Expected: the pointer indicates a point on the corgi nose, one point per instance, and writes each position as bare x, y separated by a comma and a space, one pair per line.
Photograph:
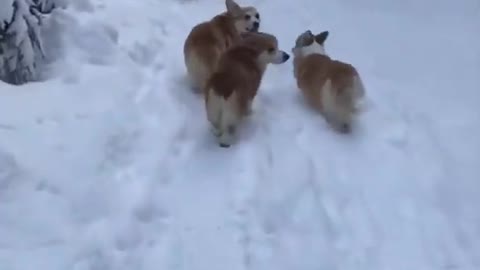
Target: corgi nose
285, 57
256, 25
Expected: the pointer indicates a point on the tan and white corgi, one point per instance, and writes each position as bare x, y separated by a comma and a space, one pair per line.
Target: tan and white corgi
331, 87
208, 40
231, 89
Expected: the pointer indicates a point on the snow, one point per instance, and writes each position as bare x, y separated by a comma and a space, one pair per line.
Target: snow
109, 164
21, 45
6, 12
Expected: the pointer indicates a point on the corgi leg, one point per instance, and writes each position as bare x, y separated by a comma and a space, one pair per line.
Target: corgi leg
213, 105
195, 83
228, 128
226, 137
249, 108
215, 130
228, 122
338, 122
336, 109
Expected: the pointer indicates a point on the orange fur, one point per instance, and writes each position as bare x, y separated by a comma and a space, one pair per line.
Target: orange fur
331, 87
208, 40
233, 86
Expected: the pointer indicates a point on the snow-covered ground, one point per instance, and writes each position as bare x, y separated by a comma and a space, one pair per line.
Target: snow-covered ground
109, 164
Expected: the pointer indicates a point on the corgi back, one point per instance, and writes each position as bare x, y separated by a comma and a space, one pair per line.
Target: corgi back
208, 40
331, 87
233, 86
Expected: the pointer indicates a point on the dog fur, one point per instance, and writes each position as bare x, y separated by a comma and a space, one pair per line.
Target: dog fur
331, 87
208, 40
230, 91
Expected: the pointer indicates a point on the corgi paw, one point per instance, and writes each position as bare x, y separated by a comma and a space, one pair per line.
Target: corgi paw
345, 128
224, 145
215, 131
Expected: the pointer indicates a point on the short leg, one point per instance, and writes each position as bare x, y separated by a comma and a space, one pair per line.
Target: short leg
229, 120
345, 128
196, 89
341, 126
249, 108
192, 84
213, 113
226, 137
215, 130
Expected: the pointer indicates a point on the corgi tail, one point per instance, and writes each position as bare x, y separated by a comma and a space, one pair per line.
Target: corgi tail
359, 94
198, 70
358, 87
338, 106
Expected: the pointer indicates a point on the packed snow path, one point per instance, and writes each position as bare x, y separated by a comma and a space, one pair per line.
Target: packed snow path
110, 164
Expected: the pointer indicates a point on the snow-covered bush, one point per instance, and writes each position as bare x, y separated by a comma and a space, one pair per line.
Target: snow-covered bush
21, 46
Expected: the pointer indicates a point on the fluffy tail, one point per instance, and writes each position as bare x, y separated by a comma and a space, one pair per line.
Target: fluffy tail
339, 106
359, 93
198, 70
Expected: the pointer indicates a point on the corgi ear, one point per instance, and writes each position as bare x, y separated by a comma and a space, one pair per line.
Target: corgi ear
233, 8
309, 32
320, 38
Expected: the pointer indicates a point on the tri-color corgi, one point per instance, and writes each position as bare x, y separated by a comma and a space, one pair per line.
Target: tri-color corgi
231, 89
208, 40
331, 87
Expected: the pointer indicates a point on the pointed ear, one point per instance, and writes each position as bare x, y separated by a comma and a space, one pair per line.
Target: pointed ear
320, 38
232, 7
309, 32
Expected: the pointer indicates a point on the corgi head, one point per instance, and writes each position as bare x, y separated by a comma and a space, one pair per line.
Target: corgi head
307, 43
247, 19
266, 48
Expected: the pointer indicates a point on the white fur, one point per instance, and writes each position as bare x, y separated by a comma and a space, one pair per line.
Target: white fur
229, 120
252, 19
214, 107
328, 99
313, 48
278, 57
334, 108
359, 90
334, 111
266, 58
359, 87
243, 25
223, 115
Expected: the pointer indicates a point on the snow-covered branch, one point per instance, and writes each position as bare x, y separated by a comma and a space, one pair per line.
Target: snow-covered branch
21, 46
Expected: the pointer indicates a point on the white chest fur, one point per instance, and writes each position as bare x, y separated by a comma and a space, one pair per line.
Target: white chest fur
313, 48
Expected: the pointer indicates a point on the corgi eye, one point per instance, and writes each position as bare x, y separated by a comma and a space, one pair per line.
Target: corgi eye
271, 50
257, 16
247, 17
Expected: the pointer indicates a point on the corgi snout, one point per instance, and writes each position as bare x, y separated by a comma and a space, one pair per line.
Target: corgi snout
285, 57
281, 57
256, 26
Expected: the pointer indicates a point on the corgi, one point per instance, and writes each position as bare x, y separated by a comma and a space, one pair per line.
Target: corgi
208, 40
231, 89
331, 87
